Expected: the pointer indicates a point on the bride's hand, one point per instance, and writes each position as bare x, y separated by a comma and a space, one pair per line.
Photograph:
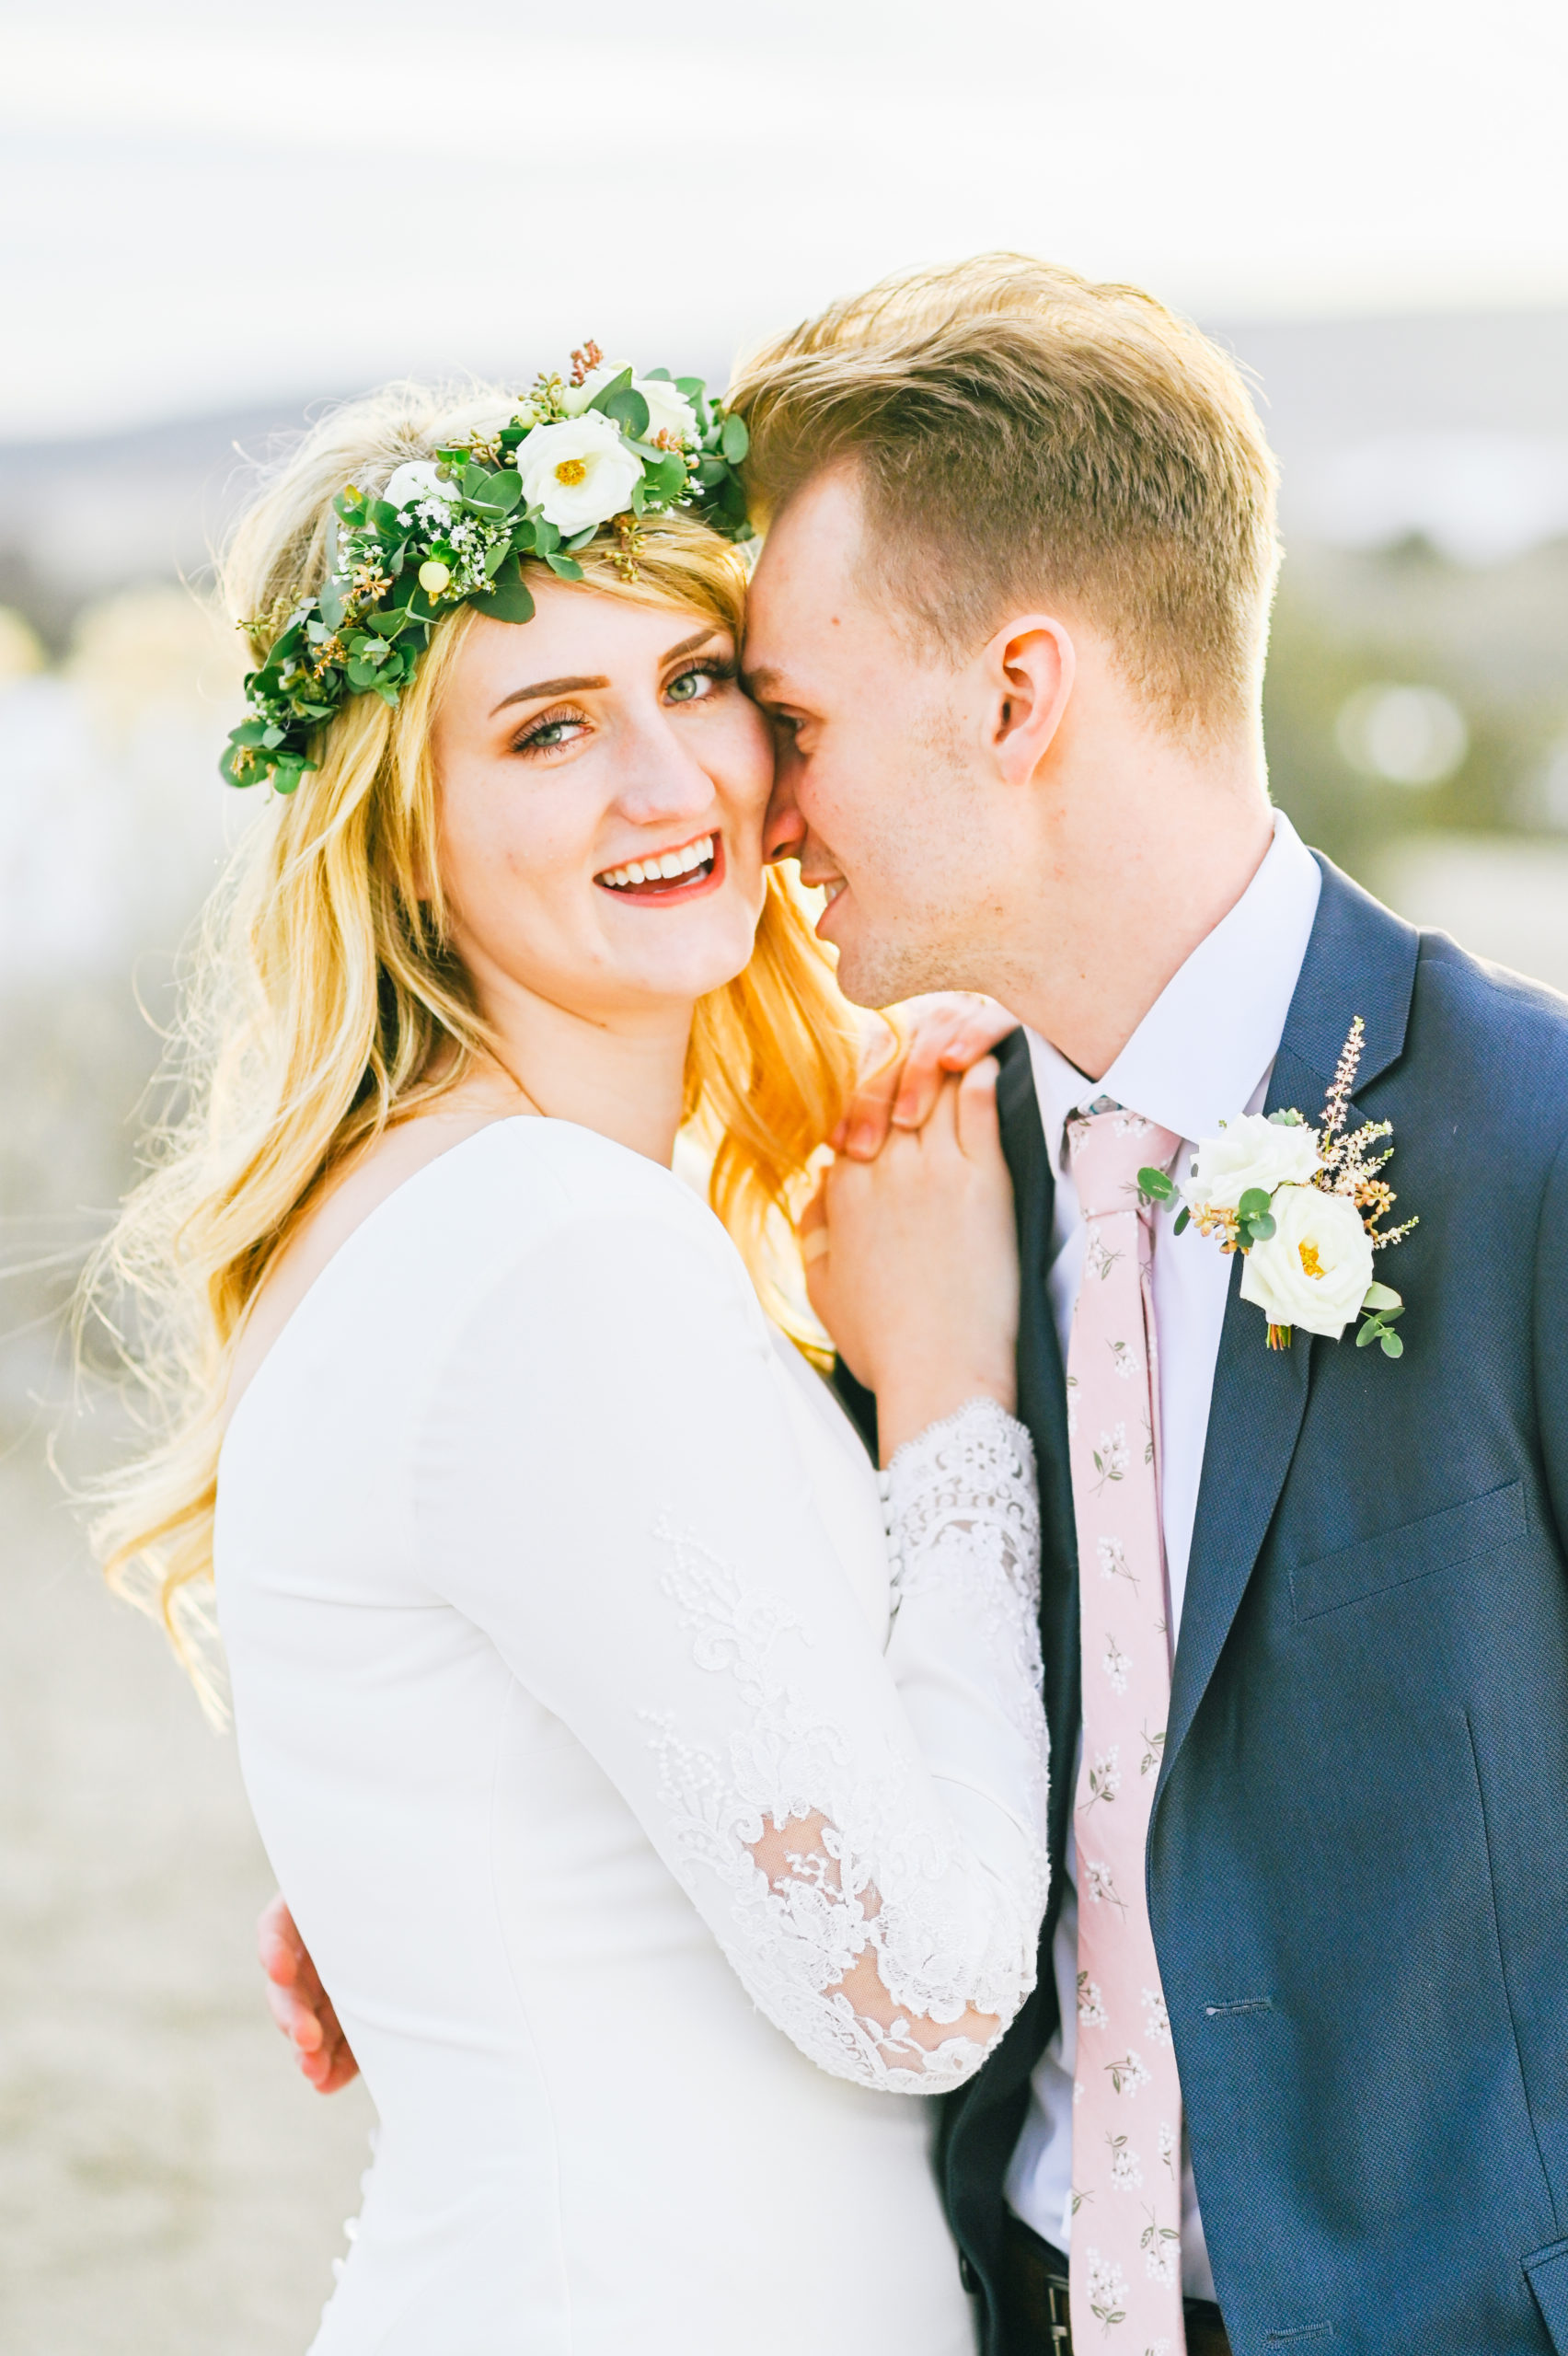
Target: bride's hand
946, 1030
912, 1262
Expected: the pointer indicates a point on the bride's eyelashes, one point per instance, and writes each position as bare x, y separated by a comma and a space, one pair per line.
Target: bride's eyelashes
547, 733
687, 686
554, 731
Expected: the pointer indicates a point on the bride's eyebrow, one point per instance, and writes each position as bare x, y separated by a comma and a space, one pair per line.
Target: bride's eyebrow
546, 688
688, 646
569, 686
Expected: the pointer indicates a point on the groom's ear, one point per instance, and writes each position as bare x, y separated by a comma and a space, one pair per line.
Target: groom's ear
1029, 667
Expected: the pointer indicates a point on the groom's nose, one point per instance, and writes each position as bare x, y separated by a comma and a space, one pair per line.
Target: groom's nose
784, 829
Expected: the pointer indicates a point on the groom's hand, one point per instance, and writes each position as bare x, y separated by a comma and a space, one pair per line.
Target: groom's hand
300, 2005
947, 1031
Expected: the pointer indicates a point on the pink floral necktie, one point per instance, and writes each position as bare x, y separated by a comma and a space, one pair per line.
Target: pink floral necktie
1125, 2270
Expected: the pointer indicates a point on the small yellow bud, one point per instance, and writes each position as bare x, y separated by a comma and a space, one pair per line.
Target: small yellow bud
434, 576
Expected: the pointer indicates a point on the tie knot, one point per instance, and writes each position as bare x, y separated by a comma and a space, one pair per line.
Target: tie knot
1109, 1146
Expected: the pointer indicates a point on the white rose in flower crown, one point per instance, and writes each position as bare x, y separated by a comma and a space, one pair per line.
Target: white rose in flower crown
669, 411
417, 478
580, 472
1250, 1152
1313, 1271
574, 398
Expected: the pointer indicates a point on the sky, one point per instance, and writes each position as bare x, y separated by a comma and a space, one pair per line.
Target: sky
206, 206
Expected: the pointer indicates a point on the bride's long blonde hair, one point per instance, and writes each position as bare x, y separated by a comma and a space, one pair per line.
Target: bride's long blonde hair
323, 1001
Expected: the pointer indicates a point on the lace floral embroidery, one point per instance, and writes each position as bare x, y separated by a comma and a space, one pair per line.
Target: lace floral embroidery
860, 1923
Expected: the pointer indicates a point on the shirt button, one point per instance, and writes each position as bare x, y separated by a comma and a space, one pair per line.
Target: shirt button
966, 2274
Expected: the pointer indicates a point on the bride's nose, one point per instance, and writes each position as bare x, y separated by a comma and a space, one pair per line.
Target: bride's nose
663, 781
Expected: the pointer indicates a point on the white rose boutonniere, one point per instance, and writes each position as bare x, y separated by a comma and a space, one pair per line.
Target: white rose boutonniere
1252, 1151
580, 472
1314, 1269
1303, 1207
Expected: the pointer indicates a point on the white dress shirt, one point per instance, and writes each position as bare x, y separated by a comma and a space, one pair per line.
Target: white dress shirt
1202, 1053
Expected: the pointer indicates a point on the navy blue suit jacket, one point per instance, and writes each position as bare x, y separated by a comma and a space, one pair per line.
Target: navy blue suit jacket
1357, 1860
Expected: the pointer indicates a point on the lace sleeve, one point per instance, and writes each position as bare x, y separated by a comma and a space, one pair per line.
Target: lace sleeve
610, 1489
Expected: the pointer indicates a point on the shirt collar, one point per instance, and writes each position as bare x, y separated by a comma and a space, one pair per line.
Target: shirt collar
1207, 1043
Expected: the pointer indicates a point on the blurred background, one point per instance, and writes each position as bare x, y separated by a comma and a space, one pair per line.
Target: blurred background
212, 220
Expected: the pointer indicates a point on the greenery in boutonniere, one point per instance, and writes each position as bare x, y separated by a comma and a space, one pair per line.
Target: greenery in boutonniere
1304, 1206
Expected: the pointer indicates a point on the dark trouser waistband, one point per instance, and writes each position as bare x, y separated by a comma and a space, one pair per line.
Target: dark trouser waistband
1035, 2322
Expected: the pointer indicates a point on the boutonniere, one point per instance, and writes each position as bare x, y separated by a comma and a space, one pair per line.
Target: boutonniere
1302, 1206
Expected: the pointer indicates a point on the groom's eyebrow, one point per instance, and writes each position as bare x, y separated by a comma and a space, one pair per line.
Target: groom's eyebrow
761, 681
569, 686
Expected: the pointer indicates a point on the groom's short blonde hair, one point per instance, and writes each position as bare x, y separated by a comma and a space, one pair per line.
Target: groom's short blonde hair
1022, 436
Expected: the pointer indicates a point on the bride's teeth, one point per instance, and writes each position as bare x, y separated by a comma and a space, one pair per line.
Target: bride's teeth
662, 870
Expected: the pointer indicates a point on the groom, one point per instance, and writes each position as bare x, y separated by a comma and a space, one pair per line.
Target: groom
1010, 617
1310, 2065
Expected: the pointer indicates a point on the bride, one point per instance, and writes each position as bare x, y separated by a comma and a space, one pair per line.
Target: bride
661, 1796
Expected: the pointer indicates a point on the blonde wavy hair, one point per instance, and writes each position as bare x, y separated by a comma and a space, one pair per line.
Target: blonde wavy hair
323, 1003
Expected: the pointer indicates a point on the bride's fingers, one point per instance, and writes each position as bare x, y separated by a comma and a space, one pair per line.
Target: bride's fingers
951, 1033
979, 1130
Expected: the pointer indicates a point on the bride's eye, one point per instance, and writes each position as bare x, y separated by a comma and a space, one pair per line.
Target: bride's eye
552, 734
701, 680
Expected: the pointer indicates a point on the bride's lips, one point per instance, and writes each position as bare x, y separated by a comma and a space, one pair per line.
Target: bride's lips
643, 883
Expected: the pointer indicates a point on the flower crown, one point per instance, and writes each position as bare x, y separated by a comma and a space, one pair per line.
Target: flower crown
540, 477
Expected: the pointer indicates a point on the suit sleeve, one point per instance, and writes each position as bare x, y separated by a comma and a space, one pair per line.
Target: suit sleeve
1551, 1336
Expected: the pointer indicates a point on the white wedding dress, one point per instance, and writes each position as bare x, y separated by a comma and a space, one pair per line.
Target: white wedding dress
591, 1755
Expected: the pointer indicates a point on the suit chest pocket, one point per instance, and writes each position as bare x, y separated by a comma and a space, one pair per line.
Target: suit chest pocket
1449, 1541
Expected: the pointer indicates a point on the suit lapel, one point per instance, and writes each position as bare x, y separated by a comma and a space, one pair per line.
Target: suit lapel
1360, 959
1043, 1407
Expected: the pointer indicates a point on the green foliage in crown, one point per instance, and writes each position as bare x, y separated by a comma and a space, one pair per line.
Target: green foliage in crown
537, 478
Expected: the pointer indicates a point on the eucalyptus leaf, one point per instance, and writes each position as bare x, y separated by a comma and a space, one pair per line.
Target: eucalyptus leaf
1253, 1203
666, 477
511, 600
1381, 1297
733, 439
1392, 1346
494, 494
620, 383
1184, 1218
628, 410
566, 567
